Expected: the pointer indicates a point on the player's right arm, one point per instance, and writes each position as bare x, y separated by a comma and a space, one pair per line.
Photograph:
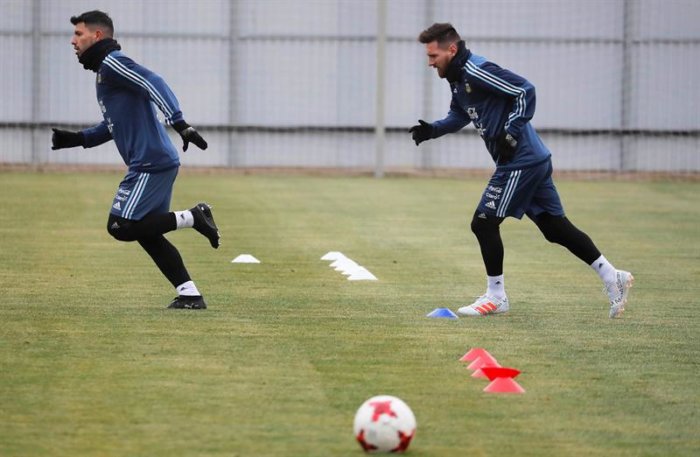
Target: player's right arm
456, 120
88, 138
97, 134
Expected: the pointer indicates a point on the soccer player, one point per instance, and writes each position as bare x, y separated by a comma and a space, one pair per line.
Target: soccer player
500, 104
126, 94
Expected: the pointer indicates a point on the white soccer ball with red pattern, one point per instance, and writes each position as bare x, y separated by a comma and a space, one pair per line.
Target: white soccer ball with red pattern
384, 424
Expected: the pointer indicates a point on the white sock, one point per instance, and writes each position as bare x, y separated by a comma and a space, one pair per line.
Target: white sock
184, 219
604, 269
187, 289
495, 287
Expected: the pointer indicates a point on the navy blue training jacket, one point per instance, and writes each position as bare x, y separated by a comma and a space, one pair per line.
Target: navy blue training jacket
128, 94
493, 99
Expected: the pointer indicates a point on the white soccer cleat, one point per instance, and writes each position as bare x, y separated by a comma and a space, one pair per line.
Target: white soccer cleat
485, 305
618, 291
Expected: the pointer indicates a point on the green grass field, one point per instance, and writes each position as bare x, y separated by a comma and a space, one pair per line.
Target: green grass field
92, 364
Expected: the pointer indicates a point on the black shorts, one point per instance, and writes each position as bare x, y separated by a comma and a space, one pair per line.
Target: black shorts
141, 193
528, 191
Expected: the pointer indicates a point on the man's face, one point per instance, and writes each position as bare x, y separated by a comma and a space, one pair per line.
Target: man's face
84, 37
440, 58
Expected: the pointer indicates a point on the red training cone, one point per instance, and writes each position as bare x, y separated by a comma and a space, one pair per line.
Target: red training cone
473, 354
479, 373
498, 372
485, 360
504, 386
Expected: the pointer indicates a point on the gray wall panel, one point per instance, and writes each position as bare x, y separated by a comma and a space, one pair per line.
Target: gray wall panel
664, 93
518, 19
669, 19
304, 72
16, 16
15, 85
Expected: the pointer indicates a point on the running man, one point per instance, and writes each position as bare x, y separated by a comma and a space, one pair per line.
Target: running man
500, 104
126, 94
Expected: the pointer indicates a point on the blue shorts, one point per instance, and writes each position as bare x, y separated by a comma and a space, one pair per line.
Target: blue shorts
143, 193
528, 191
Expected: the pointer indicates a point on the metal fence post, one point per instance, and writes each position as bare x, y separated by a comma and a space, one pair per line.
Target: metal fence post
380, 128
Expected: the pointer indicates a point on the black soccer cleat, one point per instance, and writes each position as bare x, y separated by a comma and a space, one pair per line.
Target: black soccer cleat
188, 302
204, 223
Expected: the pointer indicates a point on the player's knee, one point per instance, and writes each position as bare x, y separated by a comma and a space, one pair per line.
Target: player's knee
482, 224
553, 228
476, 226
120, 228
552, 236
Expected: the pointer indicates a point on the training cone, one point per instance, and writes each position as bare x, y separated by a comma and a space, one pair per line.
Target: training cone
486, 360
245, 258
332, 255
442, 312
351, 271
344, 265
473, 354
504, 386
362, 274
338, 261
479, 373
499, 372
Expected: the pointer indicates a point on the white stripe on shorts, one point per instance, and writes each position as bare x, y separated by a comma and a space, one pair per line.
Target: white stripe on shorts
135, 195
508, 192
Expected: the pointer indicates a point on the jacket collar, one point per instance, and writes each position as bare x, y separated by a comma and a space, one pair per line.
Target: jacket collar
93, 56
454, 69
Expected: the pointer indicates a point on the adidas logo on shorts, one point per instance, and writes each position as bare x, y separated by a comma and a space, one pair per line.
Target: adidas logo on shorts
491, 204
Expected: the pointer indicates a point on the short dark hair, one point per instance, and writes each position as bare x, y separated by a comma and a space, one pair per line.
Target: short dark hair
442, 32
95, 18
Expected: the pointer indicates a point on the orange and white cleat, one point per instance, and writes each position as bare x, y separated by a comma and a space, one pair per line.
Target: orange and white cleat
484, 306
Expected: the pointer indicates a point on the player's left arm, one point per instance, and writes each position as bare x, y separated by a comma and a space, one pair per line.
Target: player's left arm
137, 77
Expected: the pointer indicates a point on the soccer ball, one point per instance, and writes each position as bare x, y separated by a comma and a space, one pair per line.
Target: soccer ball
384, 424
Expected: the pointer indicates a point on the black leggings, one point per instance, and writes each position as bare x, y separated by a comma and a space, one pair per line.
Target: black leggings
556, 229
560, 230
149, 234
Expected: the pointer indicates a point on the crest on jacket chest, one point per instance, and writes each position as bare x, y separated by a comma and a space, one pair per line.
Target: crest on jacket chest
455, 88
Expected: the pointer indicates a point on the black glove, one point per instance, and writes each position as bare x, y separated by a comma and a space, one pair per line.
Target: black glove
66, 139
505, 147
421, 132
189, 135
